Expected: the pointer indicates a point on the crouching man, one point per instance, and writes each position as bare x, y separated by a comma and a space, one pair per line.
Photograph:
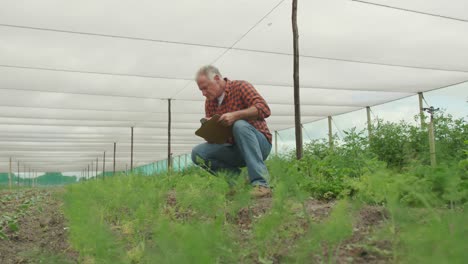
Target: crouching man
242, 107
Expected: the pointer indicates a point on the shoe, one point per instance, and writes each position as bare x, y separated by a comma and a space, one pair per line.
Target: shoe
260, 192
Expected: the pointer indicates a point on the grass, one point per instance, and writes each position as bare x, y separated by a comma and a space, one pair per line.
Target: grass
380, 201
189, 218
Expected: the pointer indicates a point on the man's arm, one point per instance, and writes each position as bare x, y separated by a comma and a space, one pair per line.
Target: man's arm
228, 119
252, 98
258, 108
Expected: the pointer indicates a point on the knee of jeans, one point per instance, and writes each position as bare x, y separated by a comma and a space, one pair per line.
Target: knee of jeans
240, 126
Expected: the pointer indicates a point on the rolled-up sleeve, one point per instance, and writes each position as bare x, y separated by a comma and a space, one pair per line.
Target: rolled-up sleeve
252, 98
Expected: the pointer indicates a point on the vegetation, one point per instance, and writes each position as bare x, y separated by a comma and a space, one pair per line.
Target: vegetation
358, 202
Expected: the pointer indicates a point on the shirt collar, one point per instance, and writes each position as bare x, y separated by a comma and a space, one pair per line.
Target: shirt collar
227, 89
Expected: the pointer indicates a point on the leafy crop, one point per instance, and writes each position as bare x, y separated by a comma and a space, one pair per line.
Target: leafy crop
317, 213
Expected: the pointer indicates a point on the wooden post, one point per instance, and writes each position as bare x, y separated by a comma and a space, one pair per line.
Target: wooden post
178, 162
432, 149
113, 166
131, 152
330, 132
421, 109
17, 176
297, 98
169, 123
9, 175
432, 144
276, 143
104, 165
97, 165
369, 122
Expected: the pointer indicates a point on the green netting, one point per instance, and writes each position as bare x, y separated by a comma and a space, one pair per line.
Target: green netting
47, 179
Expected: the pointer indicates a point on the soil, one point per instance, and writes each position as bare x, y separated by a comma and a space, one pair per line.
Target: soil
353, 250
356, 249
41, 235
42, 229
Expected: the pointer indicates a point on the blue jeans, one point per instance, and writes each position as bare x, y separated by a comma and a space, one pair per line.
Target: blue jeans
251, 148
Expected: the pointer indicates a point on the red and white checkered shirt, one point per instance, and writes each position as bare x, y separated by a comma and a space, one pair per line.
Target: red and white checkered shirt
240, 95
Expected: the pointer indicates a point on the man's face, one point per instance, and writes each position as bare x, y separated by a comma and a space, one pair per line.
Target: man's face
209, 88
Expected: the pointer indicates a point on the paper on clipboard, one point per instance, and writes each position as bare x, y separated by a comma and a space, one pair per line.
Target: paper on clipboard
214, 132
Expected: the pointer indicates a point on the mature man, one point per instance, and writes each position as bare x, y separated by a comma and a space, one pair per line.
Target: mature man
243, 108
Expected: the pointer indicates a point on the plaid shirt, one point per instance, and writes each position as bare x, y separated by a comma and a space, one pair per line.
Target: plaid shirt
240, 95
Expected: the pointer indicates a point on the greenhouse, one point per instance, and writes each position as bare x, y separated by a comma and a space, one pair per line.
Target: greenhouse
99, 104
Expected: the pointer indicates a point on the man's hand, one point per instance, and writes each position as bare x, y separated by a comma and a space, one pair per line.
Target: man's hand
204, 120
228, 119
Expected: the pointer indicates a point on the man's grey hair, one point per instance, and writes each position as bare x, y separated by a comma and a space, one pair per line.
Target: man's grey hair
209, 71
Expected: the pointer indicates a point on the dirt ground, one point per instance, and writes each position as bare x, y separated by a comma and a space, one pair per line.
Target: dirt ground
35, 231
353, 250
357, 249
33, 227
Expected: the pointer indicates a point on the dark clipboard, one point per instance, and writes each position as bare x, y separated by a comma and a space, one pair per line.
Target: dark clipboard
214, 132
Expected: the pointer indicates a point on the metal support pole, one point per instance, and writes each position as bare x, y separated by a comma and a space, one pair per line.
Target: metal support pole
297, 98
131, 153
330, 132
169, 121
421, 108
369, 122
9, 175
113, 166
104, 165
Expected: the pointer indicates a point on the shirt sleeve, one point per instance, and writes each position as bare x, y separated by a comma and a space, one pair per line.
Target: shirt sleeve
251, 96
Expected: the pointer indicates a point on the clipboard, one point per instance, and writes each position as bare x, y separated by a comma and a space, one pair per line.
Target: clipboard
214, 132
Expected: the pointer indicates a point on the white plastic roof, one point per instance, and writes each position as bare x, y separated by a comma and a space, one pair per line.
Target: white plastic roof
76, 75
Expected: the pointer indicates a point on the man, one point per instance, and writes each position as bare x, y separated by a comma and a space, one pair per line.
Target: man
240, 106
